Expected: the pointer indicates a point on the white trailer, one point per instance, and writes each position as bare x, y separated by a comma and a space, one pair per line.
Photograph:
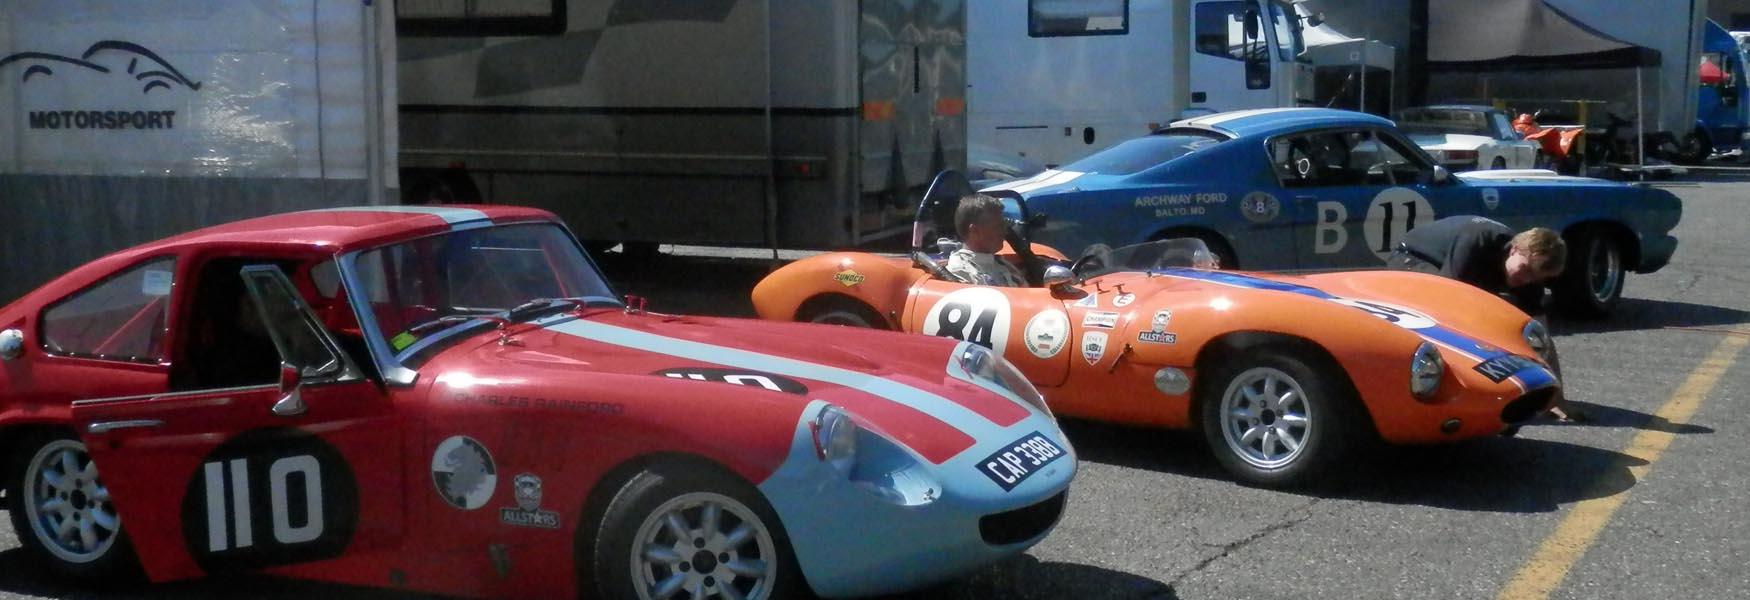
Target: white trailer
123, 121
1055, 80
796, 123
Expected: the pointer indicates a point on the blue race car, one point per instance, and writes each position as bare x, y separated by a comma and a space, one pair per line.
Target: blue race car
1311, 189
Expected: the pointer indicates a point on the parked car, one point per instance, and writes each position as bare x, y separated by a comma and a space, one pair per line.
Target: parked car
1312, 189
1284, 375
1466, 138
451, 399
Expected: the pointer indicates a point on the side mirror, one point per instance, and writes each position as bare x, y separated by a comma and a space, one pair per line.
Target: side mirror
1058, 276
291, 403
11, 344
1251, 25
1441, 175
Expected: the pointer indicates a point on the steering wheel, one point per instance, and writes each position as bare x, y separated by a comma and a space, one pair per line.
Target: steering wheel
1031, 267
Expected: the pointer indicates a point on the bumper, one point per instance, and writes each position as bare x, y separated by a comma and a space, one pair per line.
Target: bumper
1656, 251
911, 524
1469, 406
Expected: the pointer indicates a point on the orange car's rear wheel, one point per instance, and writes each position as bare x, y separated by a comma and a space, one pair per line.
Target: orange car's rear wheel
1273, 420
840, 311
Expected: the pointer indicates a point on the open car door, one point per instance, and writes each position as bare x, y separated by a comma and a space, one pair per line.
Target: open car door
243, 478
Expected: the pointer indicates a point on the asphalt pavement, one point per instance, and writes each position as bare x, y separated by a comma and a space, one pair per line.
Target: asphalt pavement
1646, 499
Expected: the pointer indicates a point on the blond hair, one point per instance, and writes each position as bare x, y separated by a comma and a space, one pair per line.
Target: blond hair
1543, 248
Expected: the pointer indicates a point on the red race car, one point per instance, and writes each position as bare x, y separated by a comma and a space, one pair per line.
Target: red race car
452, 400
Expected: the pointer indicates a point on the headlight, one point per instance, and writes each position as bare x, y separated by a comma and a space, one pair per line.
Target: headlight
983, 365
1426, 369
835, 438
1537, 336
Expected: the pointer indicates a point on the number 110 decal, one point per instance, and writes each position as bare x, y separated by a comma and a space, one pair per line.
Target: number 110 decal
269, 497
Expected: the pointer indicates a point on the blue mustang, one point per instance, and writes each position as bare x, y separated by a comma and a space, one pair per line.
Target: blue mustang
1309, 189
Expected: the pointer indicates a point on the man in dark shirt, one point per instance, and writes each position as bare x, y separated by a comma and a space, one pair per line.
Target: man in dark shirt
1491, 256
1486, 254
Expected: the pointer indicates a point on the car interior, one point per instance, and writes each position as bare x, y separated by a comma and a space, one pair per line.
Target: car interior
227, 345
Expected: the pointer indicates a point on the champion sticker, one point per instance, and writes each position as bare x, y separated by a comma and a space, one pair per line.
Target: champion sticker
463, 472
1093, 346
1102, 320
1047, 333
1088, 301
1123, 300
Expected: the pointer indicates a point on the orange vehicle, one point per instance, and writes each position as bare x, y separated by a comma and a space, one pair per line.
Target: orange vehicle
1561, 143
1283, 374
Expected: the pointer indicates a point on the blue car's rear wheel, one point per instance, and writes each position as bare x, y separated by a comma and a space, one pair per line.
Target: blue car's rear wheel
1592, 280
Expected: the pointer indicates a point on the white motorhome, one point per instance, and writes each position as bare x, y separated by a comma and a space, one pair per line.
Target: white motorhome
798, 123
1055, 80
122, 121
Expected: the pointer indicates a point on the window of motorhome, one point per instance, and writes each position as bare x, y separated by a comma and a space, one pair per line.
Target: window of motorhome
1220, 29
1142, 153
1050, 18
479, 17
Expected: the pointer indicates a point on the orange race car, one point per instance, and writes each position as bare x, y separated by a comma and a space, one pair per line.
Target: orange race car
1283, 374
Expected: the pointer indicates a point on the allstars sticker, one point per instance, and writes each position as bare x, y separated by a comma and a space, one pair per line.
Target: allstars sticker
527, 512
463, 472
1047, 333
1093, 346
1102, 320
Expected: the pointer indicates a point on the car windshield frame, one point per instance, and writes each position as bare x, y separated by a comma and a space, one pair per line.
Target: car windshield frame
1136, 155
399, 366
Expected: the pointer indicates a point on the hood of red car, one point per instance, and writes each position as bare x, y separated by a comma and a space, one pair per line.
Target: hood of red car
899, 385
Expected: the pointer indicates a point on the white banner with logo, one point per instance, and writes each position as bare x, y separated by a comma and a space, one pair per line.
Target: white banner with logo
210, 88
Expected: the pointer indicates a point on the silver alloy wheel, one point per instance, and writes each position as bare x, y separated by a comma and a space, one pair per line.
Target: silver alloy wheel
1603, 270
1266, 418
705, 544
848, 318
68, 508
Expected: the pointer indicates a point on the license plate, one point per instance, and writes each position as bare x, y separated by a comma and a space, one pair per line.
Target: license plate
1018, 461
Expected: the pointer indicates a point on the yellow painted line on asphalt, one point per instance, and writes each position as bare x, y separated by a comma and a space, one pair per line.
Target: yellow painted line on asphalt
1581, 527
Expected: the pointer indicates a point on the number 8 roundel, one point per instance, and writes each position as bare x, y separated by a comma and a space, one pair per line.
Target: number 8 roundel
978, 314
269, 497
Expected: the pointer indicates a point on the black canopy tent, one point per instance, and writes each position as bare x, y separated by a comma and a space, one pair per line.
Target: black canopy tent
1528, 52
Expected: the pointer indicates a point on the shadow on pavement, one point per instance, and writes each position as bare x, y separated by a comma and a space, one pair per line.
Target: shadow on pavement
1638, 313
1517, 475
1025, 577
1599, 415
21, 575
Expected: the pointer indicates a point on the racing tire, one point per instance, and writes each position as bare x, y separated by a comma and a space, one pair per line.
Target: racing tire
1592, 281
1272, 420
1694, 149
841, 311
679, 527
53, 486
1498, 164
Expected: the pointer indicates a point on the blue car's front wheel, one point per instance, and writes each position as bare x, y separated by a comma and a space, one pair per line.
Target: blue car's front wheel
1591, 283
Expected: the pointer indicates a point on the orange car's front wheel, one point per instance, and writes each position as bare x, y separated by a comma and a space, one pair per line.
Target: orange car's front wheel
1273, 420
